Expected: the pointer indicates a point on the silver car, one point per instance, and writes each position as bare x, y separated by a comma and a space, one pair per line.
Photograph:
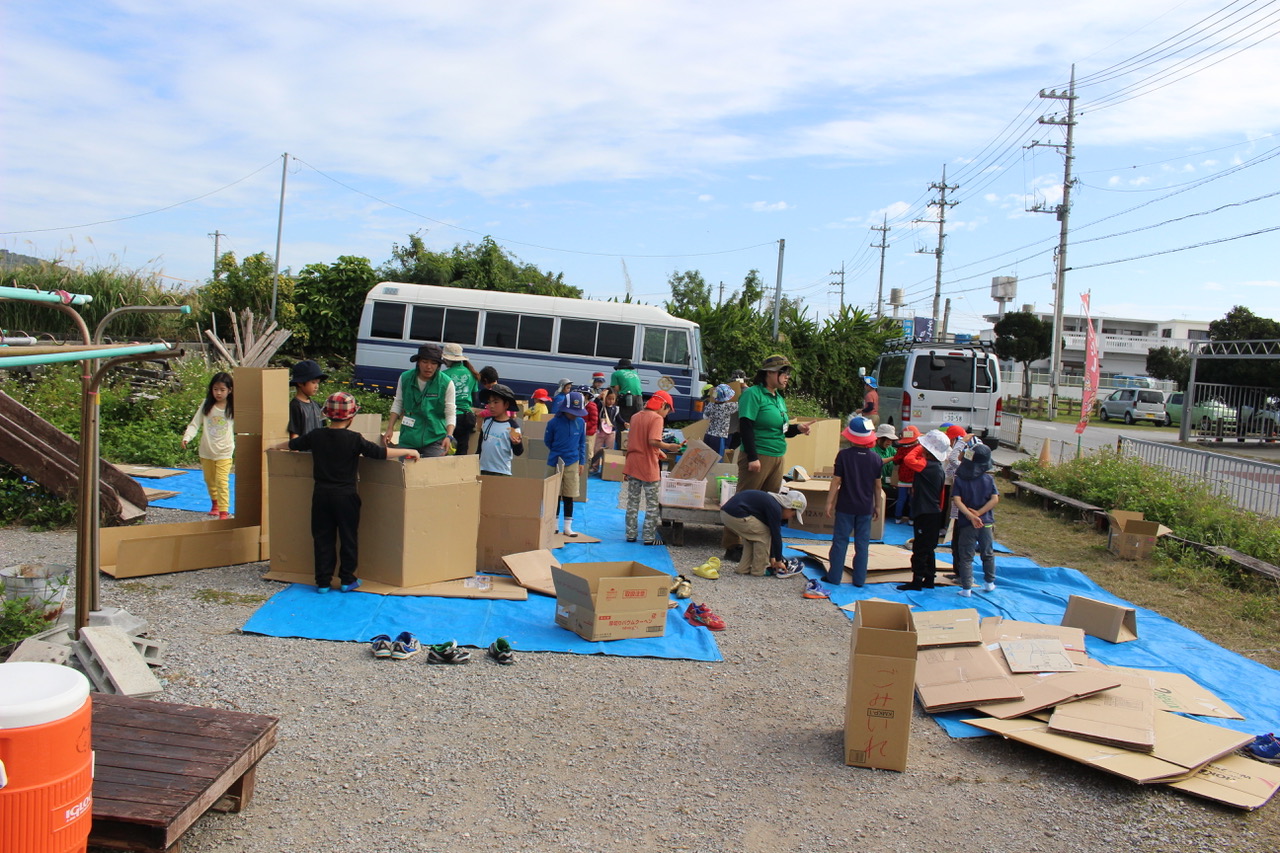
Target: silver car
1133, 405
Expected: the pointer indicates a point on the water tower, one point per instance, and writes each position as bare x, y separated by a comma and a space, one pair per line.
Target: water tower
896, 299
1004, 289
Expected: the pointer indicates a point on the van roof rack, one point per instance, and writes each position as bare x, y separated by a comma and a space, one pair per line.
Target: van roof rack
908, 344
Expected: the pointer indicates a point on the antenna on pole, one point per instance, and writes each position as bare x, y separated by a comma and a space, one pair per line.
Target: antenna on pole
627, 276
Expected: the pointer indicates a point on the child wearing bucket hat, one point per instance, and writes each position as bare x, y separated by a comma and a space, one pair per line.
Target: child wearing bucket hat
500, 438
974, 495
304, 411
851, 500
566, 440
720, 417
926, 509
537, 409
335, 503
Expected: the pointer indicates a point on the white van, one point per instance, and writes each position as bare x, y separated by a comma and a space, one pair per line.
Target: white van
928, 384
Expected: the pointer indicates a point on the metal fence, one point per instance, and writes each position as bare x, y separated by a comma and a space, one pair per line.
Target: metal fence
1250, 485
1010, 430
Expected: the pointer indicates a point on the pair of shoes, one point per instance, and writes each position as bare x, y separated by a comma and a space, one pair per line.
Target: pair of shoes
381, 646
709, 570
733, 555
449, 652
500, 650
813, 589
348, 587
404, 646
967, 592
1264, 748
700, 616
989, 586
791, 566
683, 587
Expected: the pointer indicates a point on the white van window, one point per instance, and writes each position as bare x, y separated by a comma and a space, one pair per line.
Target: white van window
943, 373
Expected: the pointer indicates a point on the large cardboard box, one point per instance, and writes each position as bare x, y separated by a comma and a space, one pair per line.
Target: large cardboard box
611, 467
882, 666
1131, 537
1109, 622
816, 450
517, 514
415, 522
611, 601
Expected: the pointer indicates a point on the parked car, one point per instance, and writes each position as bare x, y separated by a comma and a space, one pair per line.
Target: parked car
1265, 419
1208, 415
1133, 405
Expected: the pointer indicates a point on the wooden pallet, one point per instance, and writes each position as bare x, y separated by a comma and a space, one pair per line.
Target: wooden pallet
159, 766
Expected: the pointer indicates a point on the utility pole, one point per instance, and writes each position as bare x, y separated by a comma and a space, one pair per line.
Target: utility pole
275, 278
942, 204
840, 272
946, 321
216, 235
777, 294
882, 245
720, 299
1062, 211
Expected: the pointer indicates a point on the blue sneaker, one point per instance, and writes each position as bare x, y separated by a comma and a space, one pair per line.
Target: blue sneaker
1265, 748
381, 646
322, 589
405, 646
813, 589
791, 566
347, 587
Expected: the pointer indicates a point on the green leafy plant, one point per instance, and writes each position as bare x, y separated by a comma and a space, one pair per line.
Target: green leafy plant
18, 620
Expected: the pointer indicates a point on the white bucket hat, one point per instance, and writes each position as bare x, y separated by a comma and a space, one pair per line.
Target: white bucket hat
935, 441
793, 500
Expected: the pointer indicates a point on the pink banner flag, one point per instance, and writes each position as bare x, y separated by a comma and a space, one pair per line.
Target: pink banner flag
1092, 364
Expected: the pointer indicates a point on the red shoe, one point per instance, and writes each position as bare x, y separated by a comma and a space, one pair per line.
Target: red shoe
699, 615
225, 515
213, 510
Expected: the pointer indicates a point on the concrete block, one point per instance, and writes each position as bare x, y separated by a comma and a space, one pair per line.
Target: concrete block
82, 659
152, 651
117, 618
123, 666
38, 651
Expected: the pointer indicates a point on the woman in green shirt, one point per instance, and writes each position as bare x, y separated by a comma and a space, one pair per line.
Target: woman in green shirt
764, 425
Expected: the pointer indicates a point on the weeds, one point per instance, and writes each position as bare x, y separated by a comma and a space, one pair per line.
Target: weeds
222, 596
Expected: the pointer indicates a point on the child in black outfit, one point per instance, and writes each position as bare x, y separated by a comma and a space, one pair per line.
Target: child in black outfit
335, 504
304, 412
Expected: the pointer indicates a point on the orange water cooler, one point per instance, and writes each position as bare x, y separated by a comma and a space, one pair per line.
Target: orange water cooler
46, 759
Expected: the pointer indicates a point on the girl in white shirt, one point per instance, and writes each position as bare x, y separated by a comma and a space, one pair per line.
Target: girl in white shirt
214, 420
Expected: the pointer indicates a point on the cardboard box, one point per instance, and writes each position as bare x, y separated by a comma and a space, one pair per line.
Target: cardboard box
689, 494
411, 514
369, 425
1130, 537
1109, 622
947, 628
611, 467
961, 677
262, 401
517, 514
817, 449
878, 703
696, 462
536, 469
611, 601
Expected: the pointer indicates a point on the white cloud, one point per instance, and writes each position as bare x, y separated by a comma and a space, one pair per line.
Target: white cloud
706, 197
769, 206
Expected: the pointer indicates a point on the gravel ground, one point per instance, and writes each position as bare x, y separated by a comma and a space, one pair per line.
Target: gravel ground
573, 752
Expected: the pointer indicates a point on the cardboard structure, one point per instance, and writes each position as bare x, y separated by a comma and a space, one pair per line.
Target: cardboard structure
816, 491
611, 466
416, 521
517, 514
817, 449
611, 601
1131, 537
878, 706
1109, 622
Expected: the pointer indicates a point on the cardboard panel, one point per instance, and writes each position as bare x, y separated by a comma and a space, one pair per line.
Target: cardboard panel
1121, 716
517, 514
532, 570
961, 677
162, 552
1109, 622
1182, 694
947, 628
262, 401
1233, 780
816, 450
882, 663
696, 462
1047, 690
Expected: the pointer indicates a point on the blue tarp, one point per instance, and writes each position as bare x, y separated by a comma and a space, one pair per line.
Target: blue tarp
192, 494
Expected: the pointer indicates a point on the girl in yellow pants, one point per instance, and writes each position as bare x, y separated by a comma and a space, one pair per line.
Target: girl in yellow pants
214, 420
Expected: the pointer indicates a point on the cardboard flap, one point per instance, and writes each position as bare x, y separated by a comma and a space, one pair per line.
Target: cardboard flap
947, 627
532, 570
1233, 780
1046, 690
961, 677
1109, 622
1123, 715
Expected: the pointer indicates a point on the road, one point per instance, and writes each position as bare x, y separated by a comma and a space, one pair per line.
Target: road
1095, 435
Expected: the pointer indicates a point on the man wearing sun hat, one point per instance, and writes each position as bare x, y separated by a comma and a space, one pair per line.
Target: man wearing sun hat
626, 384
466, 382
851, 500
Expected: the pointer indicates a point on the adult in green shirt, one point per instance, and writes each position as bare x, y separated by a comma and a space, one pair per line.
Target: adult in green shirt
626, 383
466, 382
424, 406
764, 424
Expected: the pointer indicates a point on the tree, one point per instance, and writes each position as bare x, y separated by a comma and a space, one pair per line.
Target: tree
329, 301
1241, 324
1023, 337
689, 290
1170, 363
249, 284
482, 266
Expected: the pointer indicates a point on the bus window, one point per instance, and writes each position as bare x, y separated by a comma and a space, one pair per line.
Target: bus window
614, 340
577, 337
388, 320
460, 326
669, 346
535, 333
677, 347
427, 323
501, 330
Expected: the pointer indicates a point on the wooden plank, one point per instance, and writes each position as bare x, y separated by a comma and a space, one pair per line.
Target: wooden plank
1245, 561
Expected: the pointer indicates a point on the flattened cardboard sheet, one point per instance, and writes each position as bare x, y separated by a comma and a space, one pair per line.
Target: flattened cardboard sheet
1049, 689
1122, 716
146, 472
696, 462
961, 677
1045, 655
947, 628
532, 570
1182, 694
1233, 780
480, 586
559, 540
881, 558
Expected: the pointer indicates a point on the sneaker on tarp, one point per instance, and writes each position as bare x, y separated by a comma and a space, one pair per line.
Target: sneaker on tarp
500, 650
700, 615
381, 646
322, 588
1265, 748
348, 587
405, 646
813, 589
791, 566
449, 652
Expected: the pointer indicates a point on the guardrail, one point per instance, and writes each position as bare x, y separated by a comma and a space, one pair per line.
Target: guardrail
1249, 484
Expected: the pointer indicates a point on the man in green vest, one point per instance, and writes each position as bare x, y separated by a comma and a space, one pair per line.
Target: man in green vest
466, 381
626, 383
424, 406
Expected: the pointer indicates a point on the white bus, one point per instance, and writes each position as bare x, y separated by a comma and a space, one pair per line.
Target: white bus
532, 341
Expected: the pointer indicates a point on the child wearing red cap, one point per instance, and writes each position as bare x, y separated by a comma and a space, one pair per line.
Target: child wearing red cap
641, 468
335, 503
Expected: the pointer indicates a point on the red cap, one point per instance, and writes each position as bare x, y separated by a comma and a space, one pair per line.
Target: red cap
541, 395
659, 399
956, 431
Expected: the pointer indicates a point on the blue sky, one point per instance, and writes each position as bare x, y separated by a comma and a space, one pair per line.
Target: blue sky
674, 135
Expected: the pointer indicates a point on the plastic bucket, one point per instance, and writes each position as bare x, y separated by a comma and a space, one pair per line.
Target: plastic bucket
45, 585
46, 759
